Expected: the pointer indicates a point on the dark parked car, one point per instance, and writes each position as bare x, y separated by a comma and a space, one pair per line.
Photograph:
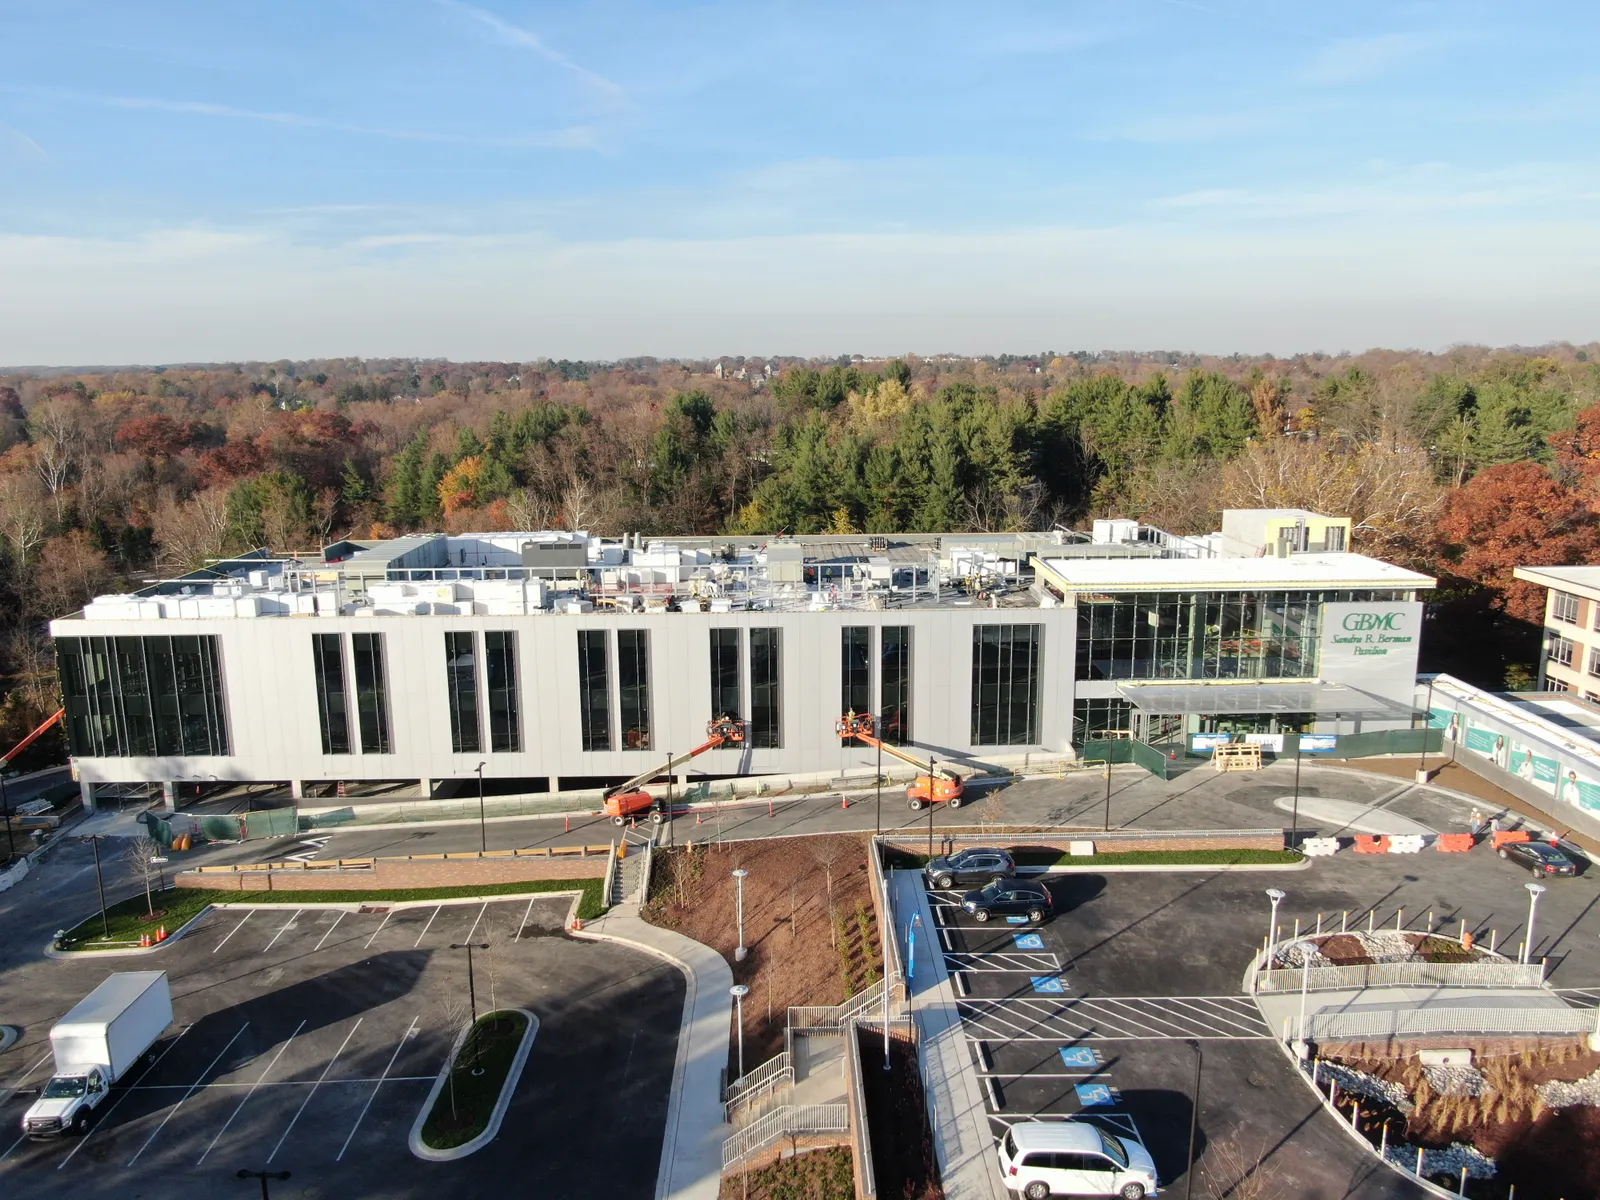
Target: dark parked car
1539, 857
975, 865
1005, 897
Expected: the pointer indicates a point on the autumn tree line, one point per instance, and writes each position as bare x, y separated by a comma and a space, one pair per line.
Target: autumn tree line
1463, 464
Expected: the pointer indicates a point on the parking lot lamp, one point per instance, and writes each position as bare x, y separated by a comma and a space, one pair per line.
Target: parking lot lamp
1294, 818
1535, 890
931, 789
877, 810
886, 931
1276, 895
1108, 785
483, 832
5, 804
472, 997
1427, 724
738, 991
105, 926
1194, 1119
741, 950
280, 1176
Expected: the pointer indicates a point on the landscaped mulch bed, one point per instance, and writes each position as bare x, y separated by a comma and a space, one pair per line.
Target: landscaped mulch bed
903, 1162
799, 952
813, 1175
462, 1109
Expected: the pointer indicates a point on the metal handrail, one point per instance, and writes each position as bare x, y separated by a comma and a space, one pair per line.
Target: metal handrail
751, 1096
836, 1016
782, 1122
758, 1076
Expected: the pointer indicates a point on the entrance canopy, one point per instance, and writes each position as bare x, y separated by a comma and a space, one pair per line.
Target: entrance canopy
1218, 699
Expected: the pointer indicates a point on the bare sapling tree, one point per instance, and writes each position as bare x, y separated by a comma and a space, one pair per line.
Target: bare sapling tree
455, 1013
827, 850
1233, 1172
142, 854
992, 812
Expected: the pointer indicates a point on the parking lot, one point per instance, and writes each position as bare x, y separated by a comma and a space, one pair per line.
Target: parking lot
1108, 1006
306, 1040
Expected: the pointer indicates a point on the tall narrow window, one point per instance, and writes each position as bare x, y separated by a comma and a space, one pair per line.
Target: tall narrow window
633, 687
766, 688
855, 670
461, 664
500, 670
141, 696
372, 694
1005, 685
594, 689
726, 700
894, 715
332, 710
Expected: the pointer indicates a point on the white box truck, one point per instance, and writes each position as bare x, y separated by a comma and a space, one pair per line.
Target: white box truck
94, 1045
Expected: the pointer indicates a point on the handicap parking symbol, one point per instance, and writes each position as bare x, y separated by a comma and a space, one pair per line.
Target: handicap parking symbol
1079, 1056
1047, 984
1095, 1095
1028, 941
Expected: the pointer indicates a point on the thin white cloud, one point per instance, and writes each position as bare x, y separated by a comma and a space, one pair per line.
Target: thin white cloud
15, 137
576, 137
515, 35
1351, 60
1181, 127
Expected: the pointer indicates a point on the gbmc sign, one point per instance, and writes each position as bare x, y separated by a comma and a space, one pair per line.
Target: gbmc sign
1371, 622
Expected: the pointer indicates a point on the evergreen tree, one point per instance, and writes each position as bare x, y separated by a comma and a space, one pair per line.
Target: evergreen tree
404, 493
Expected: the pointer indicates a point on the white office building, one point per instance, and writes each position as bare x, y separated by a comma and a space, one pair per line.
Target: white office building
556, 659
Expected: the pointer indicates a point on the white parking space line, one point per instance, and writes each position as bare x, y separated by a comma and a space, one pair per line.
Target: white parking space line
425, 929
314, 1087
331, 928
379, 929
232, 931
246, 1099
997, 963
474, 928
173, 1111
526, 913
363, 1113
287, 925
1112, 1018
105, 1116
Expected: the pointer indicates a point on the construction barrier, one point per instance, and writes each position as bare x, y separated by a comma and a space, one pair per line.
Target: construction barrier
1454, 843
1367, 843
1410, 843
1319, 846
1511, 835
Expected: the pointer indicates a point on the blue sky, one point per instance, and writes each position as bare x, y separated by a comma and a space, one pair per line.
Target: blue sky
216, 179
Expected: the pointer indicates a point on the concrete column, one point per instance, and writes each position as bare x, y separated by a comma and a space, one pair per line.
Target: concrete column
169, 796
425, 787
297, 789
86, 794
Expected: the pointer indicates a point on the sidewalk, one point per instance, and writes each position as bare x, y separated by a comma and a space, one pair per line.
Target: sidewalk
691, 1150
956, 1111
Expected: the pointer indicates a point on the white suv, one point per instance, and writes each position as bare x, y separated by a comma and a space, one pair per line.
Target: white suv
1074, 1158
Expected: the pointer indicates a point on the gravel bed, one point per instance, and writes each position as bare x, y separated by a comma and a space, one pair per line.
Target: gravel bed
1562, 1093
1443, 1162
1359, 1083
1456, 1081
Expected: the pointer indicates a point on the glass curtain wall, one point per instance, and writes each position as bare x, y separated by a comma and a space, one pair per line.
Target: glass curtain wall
1096, 718
140, 696
594, 689
1205, 635
894, 712
633, 687
500, 672
333, 710
461, 666
726, 700
1005, 685
372, 696
766, 688
855, 671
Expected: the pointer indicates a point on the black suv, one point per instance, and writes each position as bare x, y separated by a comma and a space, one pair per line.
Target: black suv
1007, 896
978, 864
1541, 858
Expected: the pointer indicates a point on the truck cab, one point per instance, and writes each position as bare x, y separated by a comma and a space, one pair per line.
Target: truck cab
65, 1104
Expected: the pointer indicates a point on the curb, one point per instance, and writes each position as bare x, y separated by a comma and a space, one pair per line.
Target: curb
1303, 865
8, 1037
507, 1088
128, 952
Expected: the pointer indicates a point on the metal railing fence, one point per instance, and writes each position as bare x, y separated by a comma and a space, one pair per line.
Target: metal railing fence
784, 1122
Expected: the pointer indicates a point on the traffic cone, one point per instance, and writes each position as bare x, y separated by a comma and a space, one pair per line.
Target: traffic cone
144, 940
577, 924
699, 817
161, 934
844, 801
568, 828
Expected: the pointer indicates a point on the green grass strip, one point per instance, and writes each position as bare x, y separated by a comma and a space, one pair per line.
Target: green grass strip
129, 919
466, 1102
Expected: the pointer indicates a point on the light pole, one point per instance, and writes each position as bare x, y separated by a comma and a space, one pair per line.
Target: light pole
1108, 786
877, 811
1535, 890
741, 950
280, 1176
1294, 819
886, 931
5, 803
931, 789
483, 829
472, 997
1276, 895
99, 881
738, 991
1194, 1119
1422, 751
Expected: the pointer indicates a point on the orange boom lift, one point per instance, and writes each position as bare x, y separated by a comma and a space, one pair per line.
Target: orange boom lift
937, 785
628, 799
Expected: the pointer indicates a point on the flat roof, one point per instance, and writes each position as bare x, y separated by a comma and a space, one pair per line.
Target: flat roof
1211, 697
1572, 715
1582, 578
1223, 574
